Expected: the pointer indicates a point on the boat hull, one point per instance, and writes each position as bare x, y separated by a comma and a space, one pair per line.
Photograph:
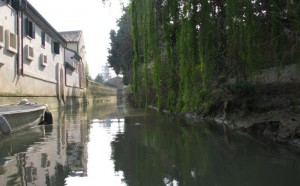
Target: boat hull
21, 117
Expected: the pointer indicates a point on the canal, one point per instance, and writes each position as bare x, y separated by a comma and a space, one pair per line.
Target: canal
110, 145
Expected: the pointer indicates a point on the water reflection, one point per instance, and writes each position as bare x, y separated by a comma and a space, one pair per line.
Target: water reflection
109, 145
50, 155
166, 152
100, 166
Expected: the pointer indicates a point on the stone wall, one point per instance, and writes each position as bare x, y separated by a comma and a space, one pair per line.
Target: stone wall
94, 94
99, 90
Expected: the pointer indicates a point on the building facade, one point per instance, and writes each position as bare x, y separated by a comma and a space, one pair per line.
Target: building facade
36, 60
75, 65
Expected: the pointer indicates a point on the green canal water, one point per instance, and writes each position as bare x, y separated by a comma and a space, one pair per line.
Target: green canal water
110, 145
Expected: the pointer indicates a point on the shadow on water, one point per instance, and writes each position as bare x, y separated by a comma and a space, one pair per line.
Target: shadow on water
111, 145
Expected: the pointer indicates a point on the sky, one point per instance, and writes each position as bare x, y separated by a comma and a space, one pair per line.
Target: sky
92, 17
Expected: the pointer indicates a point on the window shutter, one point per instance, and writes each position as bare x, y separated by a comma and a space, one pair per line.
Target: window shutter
43, 39
26, 26
52, 46
16, 4
33, 30
29, 28
56, 48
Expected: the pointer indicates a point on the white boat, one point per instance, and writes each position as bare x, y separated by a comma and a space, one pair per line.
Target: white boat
17, 117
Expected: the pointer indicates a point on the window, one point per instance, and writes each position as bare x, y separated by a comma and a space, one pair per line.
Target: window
43, 39
29, 28
15, 4
9, 2
1, 36
55, 47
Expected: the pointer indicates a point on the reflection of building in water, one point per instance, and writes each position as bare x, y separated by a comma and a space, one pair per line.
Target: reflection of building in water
59, 152
77, 148
63, 152
32, 168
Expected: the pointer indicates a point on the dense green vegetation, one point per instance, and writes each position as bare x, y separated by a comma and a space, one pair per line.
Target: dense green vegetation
184, 51
121, 51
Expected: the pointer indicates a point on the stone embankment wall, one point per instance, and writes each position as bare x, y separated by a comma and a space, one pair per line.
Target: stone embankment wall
269, 108
93, 94
97, 92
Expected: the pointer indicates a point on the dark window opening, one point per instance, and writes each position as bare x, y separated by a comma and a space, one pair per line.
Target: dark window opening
55, 47
43, 39
29, 28
15, 4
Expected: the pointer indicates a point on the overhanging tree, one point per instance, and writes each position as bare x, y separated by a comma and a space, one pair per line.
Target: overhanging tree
121, 51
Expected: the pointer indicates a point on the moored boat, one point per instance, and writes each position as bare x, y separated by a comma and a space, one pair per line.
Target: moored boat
16, 117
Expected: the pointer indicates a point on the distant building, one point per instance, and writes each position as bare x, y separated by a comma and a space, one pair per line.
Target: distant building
116, 82
75, 48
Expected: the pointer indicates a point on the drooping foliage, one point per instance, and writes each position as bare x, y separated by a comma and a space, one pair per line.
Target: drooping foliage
183, 48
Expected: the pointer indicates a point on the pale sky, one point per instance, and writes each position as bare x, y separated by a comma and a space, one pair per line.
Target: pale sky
92, 17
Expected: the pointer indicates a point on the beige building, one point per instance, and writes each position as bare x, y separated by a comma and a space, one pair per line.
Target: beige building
36, 60
75, 48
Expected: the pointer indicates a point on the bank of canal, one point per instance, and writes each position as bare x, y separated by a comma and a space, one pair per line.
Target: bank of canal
110, 145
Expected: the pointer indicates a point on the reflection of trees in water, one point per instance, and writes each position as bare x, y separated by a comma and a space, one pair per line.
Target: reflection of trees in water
161, 152
156, 154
